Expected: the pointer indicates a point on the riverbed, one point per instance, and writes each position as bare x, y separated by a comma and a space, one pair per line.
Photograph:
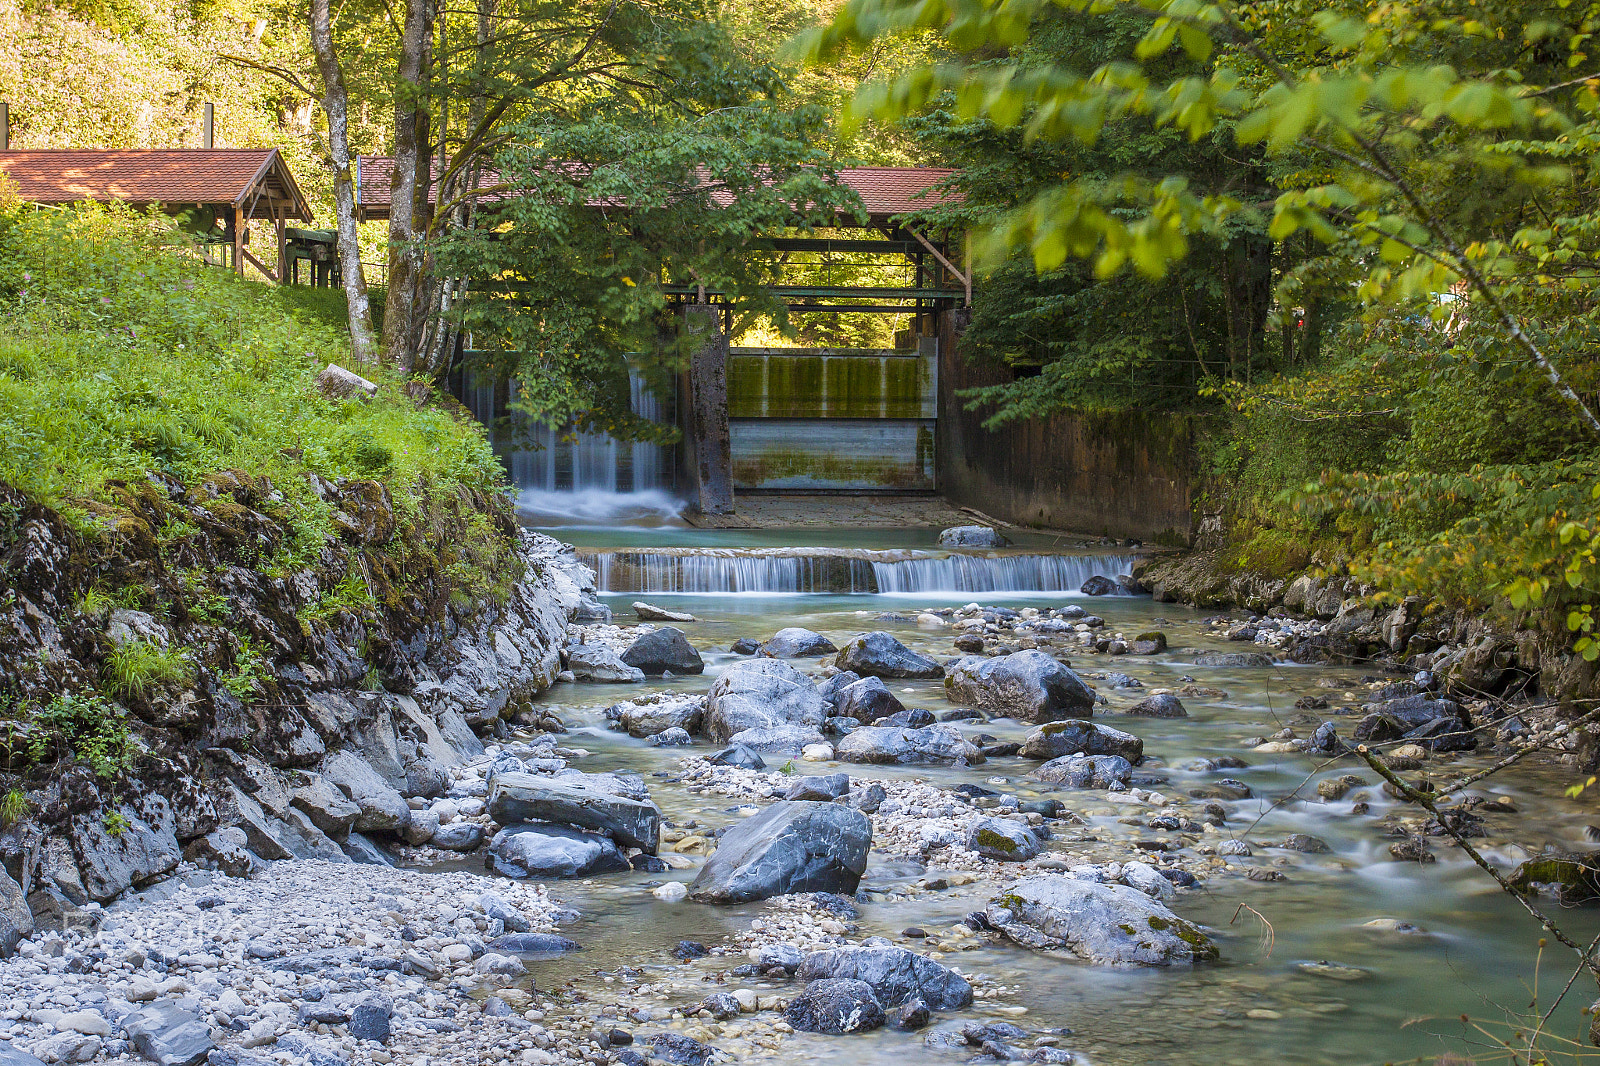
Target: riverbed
1476, 952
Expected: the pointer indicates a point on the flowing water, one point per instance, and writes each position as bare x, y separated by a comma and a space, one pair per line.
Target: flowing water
1479, 955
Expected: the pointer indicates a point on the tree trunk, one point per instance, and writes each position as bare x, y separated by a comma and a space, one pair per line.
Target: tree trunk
336, 103
405, 311
711, 455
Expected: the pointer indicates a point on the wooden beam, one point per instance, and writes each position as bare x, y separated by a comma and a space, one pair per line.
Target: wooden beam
258, 264
238, 241
959, 276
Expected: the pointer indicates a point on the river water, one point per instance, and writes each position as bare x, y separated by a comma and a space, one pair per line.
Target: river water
1479, 954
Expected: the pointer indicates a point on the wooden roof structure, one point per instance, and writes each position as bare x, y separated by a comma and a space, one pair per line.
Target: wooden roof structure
254, 181
886, 192
233, 185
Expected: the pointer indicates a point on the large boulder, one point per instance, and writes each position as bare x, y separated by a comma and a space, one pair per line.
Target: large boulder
1165, 705
16, 919
797, 643
895, 975
1002, 840
1099, 585
553, 851
769, 701
1086, 771
1573, 876
598, 663
866, 700
1074, 737
667, 649
971, 537
878, 654
383, 809
835, 1005
935, 745
1108, 924
168, 1035
125, 847
796, 846
1026, 685
649, 715
521, 797
1434, 723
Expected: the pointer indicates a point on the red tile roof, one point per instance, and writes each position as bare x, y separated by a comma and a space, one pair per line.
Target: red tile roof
885, 191
250, 178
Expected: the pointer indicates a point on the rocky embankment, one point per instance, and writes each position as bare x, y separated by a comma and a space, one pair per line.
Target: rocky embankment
1472, 655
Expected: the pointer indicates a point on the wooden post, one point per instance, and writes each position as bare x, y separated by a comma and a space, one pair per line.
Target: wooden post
283, 251
710, 446
208, 134
5, 126
238, 241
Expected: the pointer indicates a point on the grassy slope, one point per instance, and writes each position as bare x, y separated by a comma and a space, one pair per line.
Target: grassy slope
119, 355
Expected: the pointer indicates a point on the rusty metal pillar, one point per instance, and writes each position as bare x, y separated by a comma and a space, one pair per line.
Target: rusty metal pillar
710, 446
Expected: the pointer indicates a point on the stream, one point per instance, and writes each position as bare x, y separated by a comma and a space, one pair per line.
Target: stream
1478, 954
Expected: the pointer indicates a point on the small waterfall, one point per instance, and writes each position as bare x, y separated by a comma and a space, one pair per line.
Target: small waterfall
843, 571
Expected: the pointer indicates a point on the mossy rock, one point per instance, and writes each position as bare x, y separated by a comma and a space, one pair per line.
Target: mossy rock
1575, 876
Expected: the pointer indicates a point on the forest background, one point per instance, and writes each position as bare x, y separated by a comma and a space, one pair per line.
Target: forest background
1355, 242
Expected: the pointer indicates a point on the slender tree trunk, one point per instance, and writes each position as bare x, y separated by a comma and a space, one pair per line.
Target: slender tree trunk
336, 103
405, 310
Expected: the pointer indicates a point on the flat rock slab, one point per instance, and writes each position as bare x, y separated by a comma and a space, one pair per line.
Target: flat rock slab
168, 1035
792, 846
554, 851
649, 612
521, 797
1107, 924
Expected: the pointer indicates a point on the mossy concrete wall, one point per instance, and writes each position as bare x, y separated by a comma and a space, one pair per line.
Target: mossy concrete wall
1128, 474
804, 420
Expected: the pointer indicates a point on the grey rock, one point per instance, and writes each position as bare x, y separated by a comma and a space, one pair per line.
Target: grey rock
1234, 659
971, 537
939, 745
139, 851
228, 850
360, 849
1053, 740
879, 654
1165, 705
649, 612
789, 847
521, 797
894, 974
382, 807
721, 1006
548, 945
821, 787
671, 738
497, 908
1086, 771
1107, 924
16, 918
1099, 585
665, 649
1306, 844
796, 643
739, 756
458, 836
329, 809
835, 1005
1003, 840
1027, 685
370, 1020
314, 1052
677, 1050
553, 851
11, 1055
910, 1016
649, 715
766, 698
168, 1035
421, 828
866, 700
598, 663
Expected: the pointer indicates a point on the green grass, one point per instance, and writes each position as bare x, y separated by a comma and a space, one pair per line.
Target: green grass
119, 355
139, 669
